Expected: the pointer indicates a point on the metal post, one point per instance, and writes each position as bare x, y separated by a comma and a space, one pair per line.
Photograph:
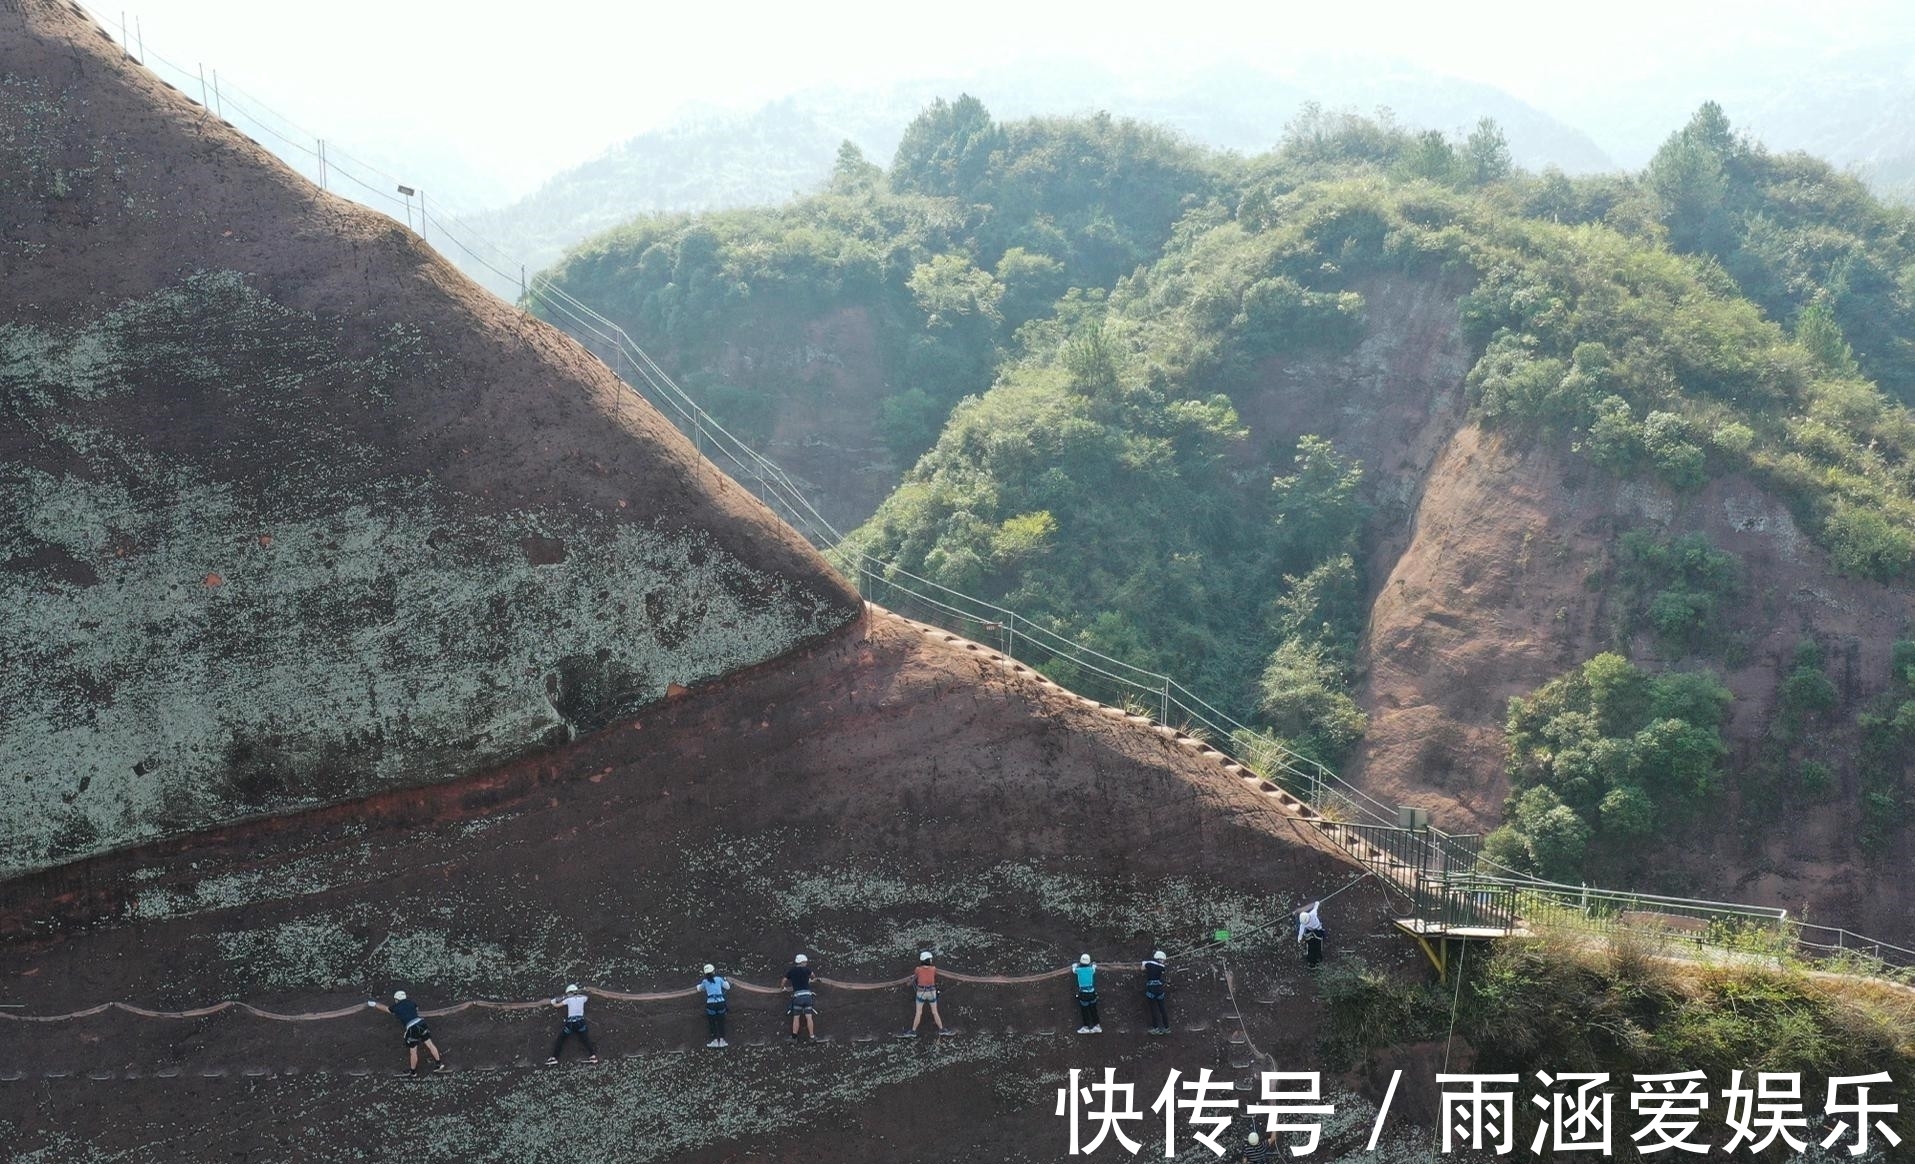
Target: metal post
218, 110
140, 34
422, 217
1163, 715
322, 163
204, 101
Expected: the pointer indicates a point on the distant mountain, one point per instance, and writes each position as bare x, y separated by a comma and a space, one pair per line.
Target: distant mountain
1894, 180
714, 159
1853, 107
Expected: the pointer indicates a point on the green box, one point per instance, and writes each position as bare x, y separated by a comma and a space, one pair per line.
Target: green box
1223, 935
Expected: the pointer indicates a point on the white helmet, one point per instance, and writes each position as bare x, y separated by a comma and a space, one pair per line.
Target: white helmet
1083, 959
924, 955
801, 959
1158, 956
710, 969
1253, 1138
398, 996
572, 988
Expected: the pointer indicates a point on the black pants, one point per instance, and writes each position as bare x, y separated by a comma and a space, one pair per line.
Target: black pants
573, 1027
1159, 1013
715, 1022
1313, 947
1087, 1005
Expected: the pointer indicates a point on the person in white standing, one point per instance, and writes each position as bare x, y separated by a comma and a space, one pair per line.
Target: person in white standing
1310, 933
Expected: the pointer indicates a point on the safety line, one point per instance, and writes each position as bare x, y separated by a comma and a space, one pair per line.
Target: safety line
530, 1004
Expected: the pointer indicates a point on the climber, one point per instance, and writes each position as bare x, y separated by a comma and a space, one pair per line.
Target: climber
1310, 933
416, 1031
924, 982
573, 1000
803, 1001
1086, 974
714, 988
1154, 992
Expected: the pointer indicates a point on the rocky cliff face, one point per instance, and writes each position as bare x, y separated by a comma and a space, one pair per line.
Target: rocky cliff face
1493, 570
826, 378
289, 510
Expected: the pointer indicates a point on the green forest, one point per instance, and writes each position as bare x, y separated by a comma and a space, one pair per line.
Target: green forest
1066, 309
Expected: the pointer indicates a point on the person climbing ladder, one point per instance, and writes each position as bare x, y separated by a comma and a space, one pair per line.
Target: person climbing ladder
573, 1000
714, 988
1086, 974
1154, 993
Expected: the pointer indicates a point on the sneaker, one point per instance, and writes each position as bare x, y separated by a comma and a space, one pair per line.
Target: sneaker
724, 1042
441, 1065
552, 1062
947, 1031
1097, 1030
591, 1058
715, 1043
907, 1034
1083, 1030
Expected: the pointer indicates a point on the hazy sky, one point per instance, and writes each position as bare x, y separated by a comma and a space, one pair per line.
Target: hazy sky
520, 90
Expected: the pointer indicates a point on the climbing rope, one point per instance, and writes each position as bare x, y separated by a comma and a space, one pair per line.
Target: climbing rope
532, 1004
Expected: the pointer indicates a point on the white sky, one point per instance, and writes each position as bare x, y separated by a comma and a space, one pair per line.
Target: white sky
523, 89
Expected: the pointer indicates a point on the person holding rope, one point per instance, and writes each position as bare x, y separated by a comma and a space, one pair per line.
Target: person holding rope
1085, 973
417, 1033
1154, 993
924, 982
803, 1001
573, 1000
1310, 933
714, 987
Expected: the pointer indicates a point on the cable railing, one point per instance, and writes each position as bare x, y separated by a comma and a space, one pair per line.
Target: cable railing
1451, 882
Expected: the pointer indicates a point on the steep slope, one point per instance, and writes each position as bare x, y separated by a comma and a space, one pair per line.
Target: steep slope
305, 531
885, 792
290, 511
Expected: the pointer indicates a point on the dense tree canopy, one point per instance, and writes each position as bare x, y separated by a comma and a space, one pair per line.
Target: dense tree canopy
1068, 309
